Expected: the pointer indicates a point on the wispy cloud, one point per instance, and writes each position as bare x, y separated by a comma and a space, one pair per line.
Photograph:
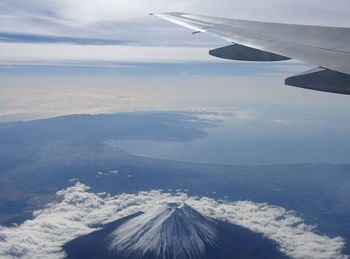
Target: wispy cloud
108, 22
79, 210
21, 37
92, 17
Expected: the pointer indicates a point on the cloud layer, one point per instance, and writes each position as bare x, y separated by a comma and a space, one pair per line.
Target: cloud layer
79, 210
117, 22
67, 16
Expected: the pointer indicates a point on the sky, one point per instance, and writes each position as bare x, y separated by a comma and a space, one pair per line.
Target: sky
64, 57
127, 27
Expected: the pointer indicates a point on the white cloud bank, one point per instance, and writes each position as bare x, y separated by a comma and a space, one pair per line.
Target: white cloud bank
79, 210
65, 54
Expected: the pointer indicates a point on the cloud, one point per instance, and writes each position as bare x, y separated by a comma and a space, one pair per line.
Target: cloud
118, 22
128, 20
100, 173
79, 210
83, 55
43, 102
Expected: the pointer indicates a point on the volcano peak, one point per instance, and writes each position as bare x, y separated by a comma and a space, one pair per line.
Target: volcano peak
173, 230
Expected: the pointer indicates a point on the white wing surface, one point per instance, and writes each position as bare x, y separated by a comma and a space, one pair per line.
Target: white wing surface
326, 47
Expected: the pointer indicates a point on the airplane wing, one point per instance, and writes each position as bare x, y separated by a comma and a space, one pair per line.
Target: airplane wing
326, 47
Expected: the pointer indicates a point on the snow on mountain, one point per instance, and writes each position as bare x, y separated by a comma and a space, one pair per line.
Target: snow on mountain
175, 230
171, 231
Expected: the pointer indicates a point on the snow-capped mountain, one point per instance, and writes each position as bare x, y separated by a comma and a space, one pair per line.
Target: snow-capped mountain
171, 231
